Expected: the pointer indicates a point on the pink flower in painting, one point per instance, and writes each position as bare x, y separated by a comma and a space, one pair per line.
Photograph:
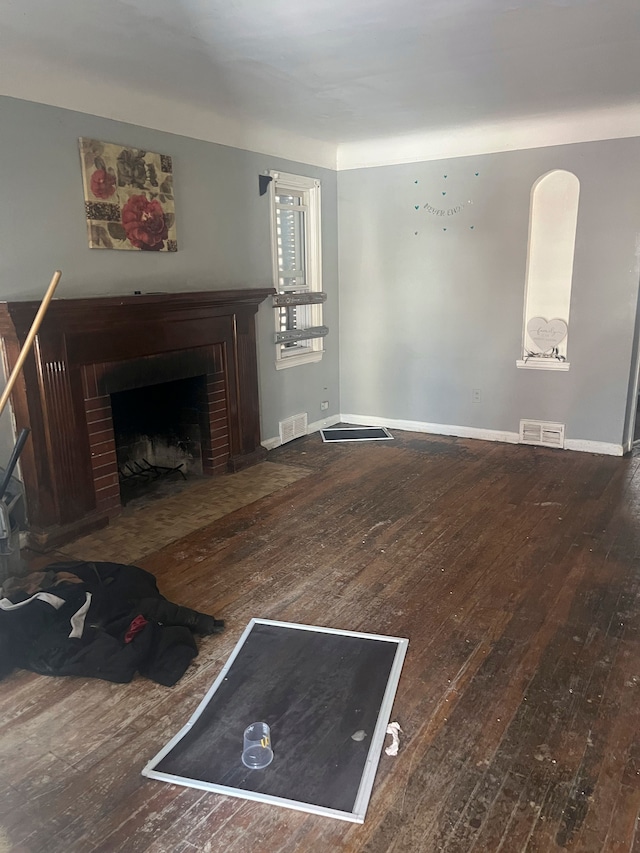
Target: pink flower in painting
103, 184
144, 222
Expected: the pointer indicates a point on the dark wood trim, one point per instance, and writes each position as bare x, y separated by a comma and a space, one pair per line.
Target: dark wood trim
49, 397
90, 314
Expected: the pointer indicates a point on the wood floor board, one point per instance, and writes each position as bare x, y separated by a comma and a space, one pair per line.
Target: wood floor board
515, 573
135, 822
204, 815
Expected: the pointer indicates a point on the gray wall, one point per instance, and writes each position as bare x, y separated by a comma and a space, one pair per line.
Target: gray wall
424, 318
427, 317
223, 232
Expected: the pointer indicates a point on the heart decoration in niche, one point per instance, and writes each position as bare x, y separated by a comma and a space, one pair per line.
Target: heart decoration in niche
546, 334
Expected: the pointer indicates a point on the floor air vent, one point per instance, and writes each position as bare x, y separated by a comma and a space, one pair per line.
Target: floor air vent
542, 433
293, 427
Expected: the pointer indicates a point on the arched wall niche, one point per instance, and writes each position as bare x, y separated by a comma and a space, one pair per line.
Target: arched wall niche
553, 219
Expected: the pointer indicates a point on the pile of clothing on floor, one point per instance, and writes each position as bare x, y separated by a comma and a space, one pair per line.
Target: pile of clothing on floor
99, 620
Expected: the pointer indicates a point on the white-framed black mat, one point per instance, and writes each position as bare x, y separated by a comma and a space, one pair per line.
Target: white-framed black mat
316, 688
355, 434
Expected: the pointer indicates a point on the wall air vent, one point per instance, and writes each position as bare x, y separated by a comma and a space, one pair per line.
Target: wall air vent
293, 427
542, 433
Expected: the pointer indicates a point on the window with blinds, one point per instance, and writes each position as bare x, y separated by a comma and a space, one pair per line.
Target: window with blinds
297, 265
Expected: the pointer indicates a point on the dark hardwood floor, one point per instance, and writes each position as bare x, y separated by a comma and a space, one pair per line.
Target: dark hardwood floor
514, 571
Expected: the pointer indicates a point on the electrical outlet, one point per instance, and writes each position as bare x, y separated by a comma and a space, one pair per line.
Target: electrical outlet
324, 405
475, 395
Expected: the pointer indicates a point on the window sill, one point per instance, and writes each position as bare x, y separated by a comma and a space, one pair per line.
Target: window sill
542, 364
302, 358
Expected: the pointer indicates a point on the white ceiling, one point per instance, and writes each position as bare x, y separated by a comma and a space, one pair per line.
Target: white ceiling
344, 70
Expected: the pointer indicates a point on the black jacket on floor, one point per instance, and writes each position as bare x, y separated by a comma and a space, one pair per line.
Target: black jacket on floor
92, 626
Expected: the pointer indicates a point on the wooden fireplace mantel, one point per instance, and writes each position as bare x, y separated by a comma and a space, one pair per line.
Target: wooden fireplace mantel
88, 337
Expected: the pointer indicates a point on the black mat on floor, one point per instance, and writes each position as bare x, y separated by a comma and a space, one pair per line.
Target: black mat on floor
356, 434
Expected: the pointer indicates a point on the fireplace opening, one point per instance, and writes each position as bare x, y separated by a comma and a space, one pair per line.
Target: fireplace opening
159, 434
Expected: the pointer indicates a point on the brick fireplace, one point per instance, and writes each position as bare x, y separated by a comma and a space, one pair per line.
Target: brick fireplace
100, 381
88, 349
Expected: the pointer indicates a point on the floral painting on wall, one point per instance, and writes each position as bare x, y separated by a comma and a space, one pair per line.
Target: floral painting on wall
128, 197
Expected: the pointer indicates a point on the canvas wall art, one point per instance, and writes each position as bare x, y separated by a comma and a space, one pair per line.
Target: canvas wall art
128, 197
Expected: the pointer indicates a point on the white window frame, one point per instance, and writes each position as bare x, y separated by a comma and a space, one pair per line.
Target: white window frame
310, 350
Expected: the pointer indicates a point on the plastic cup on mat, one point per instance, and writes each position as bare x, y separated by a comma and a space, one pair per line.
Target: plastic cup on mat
257, 752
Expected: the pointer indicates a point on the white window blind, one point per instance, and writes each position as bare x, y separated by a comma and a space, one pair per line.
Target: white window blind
297, 263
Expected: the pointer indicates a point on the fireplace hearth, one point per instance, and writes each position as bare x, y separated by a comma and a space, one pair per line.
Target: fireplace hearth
89, 352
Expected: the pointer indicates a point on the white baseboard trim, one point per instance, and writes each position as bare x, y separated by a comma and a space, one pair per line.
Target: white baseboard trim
580, 445
602, 447
323, 424
272, 443
435, 429
577, 444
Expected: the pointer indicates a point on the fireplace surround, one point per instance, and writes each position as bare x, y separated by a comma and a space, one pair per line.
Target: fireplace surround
87, 349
